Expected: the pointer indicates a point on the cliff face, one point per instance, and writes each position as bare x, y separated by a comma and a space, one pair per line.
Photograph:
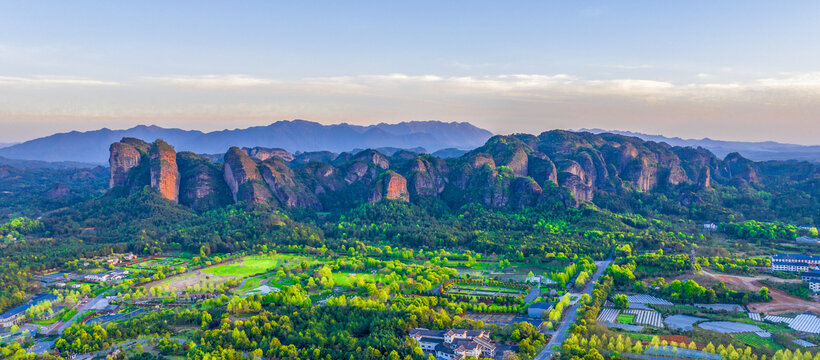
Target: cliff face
508, 171
124, 156
202, 185
243, 178
285, 185
390, 185
164, 171
263, 154
428, 176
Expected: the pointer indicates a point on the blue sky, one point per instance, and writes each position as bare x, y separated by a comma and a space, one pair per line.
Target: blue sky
727, 69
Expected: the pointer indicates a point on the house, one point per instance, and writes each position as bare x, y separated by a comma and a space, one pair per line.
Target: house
806, 239
113, 261
538, 308
96, 277
454, 344
812, 278
710, 227
795, 262
129, 257
15, 315
539, 280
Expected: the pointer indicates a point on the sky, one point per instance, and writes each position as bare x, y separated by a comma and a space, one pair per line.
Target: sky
733, 70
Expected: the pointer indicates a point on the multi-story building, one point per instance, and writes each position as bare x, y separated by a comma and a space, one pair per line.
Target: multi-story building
812, 278
454, 344
795, 262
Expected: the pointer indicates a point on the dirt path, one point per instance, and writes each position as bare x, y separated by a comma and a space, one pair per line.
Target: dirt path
781, 302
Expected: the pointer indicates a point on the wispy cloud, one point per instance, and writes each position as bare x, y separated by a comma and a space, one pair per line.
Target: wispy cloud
55, 80
212, 81
503, 103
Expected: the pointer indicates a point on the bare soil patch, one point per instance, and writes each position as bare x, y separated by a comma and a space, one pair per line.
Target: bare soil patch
781, 302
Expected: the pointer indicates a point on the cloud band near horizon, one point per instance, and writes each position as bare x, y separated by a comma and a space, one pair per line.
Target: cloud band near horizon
783, 107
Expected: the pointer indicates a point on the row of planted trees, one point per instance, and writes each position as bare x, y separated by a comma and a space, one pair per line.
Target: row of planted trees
581, 346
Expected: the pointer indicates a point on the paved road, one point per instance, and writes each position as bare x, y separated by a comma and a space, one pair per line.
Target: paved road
535, 292
41, 346
80, 311
562, 332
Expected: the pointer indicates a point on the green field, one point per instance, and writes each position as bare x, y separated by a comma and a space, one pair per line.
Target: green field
244, 268
252, 265
642, 337
626, 319
757, 342
344, 278
252, 283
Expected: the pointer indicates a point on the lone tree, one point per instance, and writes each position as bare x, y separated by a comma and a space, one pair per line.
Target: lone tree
621, 301
764, 293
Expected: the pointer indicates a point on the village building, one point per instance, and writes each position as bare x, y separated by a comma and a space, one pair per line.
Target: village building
537, 309
15, 315
795, 262
812, 278
807, 240
455, 344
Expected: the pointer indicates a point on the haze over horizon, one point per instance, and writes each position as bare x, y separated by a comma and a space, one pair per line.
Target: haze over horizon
735, 71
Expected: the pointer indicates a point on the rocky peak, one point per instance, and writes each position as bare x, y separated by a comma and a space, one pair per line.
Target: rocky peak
390, 185
164, 170
285, 185
263, 154
705, 178
740, 168
201, 185
124, 156
243, 178
428, 175
372, 157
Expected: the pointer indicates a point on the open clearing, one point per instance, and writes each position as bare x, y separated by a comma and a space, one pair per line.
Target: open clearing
252, 265
781, 302
344, 278
183, 281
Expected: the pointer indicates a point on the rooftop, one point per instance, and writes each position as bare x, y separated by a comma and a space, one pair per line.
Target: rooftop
22, 308
540, 305
786, 257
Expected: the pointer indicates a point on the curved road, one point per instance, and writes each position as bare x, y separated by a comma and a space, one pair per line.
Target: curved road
562, 333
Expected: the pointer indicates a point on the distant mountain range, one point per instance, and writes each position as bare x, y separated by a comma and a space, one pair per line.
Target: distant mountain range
757, 151
37, 164
293, 136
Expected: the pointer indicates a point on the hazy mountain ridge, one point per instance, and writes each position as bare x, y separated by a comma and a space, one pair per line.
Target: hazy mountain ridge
293, 136
757, 151
37, 164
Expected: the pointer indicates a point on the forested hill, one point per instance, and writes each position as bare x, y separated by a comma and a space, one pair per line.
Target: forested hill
623, 174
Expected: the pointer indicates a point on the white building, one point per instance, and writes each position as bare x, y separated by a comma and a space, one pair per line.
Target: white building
454, 344
795, 262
